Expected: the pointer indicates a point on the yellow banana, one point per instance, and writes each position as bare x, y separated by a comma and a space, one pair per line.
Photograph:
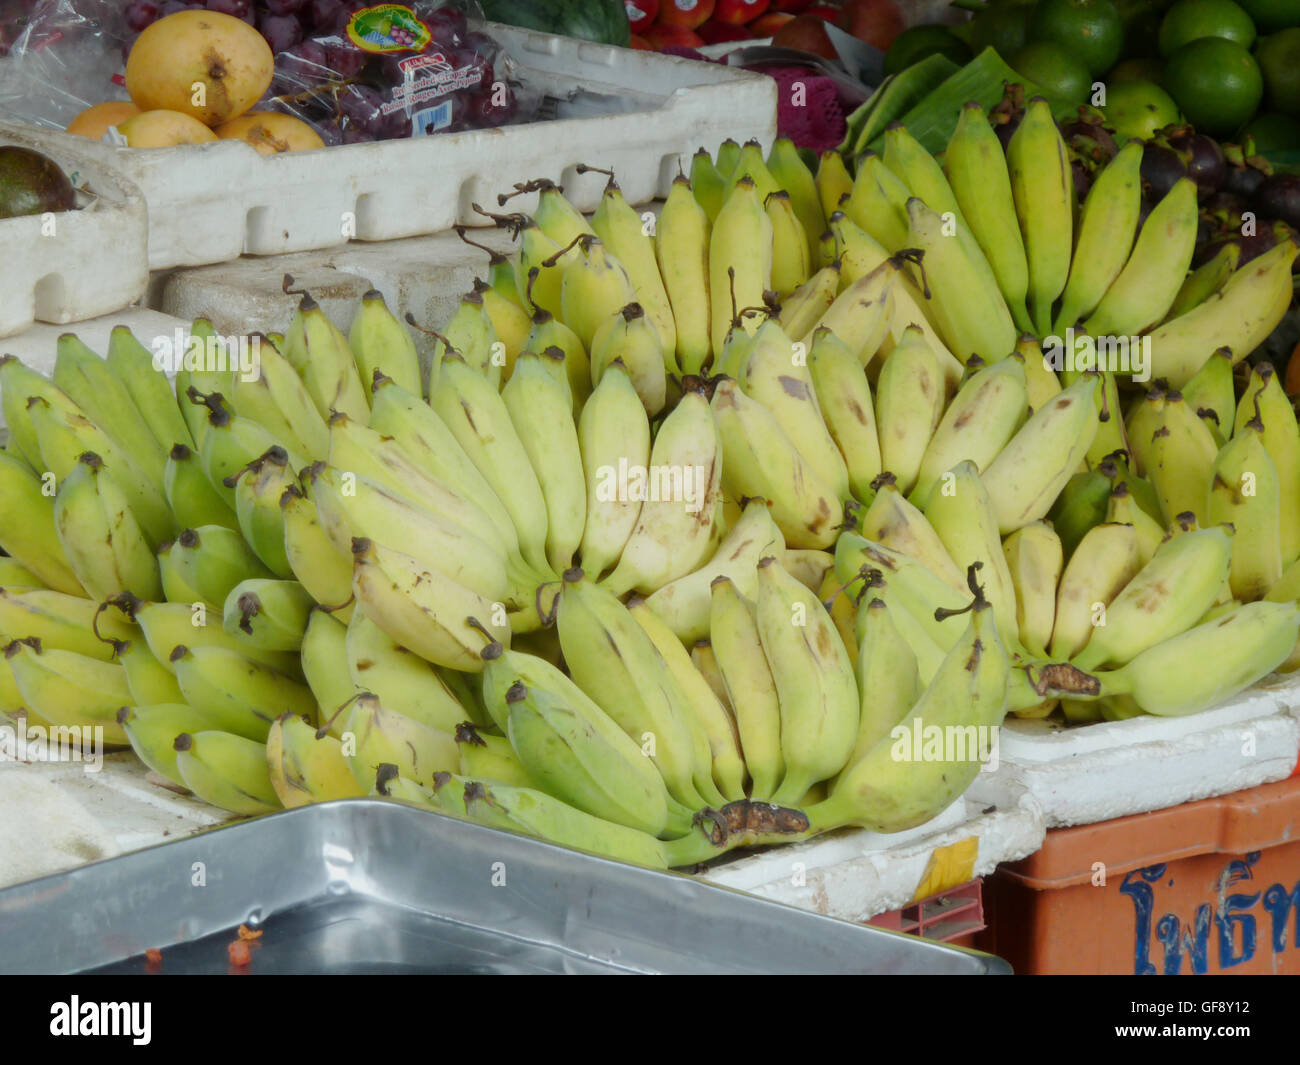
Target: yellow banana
763, 462
982, 417
1105, 561
627, 337
909, 404
970, 314
814, 680
307, 767
1145, 289
542, 414
1238, 317
976, 169
628, 239
152, 729
423, 610
1035, 561
683, 604
1168, 594
319, 351
673, 532
724, 744
227, 771
750, 687
321, 567
1209, 663
847, 408
1245, 491
682, 249
613, 436
1043, 186
1107, 226
100, 536
382, 344
791, 261
1281, 440
740, 258
1029, 473
404, 683
792, 175
374, 735
28, 532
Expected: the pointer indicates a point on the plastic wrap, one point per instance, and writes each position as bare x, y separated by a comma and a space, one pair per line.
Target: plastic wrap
399, 71
354, 70
62, 56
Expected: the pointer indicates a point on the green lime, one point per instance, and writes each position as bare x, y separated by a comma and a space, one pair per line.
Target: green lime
1054, 70
1216, 84
1141, 29
1147, 68
1190, 20
1138, 109
1270, 16
1279, 61
1002, 27
1273, 133
1090, 30
914, 44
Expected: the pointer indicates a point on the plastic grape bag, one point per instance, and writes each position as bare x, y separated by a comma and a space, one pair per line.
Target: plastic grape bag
58, 57
400, 70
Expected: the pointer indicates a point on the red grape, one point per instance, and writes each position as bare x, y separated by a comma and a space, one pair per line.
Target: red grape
141, 14
282, 32
285, 7
234, 8
324, 13
345, 60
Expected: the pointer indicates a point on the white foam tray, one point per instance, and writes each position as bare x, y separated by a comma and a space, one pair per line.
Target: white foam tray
57, 816
93, 261
1097, 772
210, 203
856, 875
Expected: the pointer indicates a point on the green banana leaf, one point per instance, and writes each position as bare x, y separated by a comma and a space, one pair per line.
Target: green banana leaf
933, 120
895, 95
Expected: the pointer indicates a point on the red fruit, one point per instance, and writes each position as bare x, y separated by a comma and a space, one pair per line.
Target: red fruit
828, 14
641, 44
641, 13
662, 36
767, 25
877, 22
806, 33
686, 14
739, 12
791, 6
715, 32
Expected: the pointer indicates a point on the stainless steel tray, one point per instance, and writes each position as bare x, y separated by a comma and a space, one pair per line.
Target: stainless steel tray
376, 887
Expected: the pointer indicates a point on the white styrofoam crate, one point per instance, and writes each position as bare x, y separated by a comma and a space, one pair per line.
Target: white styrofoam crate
1112, 769
640, 113
58, 816
91, 261
856, 875
37, 345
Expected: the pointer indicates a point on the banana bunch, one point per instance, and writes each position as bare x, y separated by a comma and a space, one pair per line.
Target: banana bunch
663, 544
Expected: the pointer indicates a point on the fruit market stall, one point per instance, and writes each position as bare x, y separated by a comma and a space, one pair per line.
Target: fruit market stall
835, 528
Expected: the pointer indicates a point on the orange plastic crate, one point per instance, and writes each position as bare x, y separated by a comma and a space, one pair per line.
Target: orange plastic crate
1206, 887
953, 916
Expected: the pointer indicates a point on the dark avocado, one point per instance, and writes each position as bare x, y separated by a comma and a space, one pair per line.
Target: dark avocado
31, 183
